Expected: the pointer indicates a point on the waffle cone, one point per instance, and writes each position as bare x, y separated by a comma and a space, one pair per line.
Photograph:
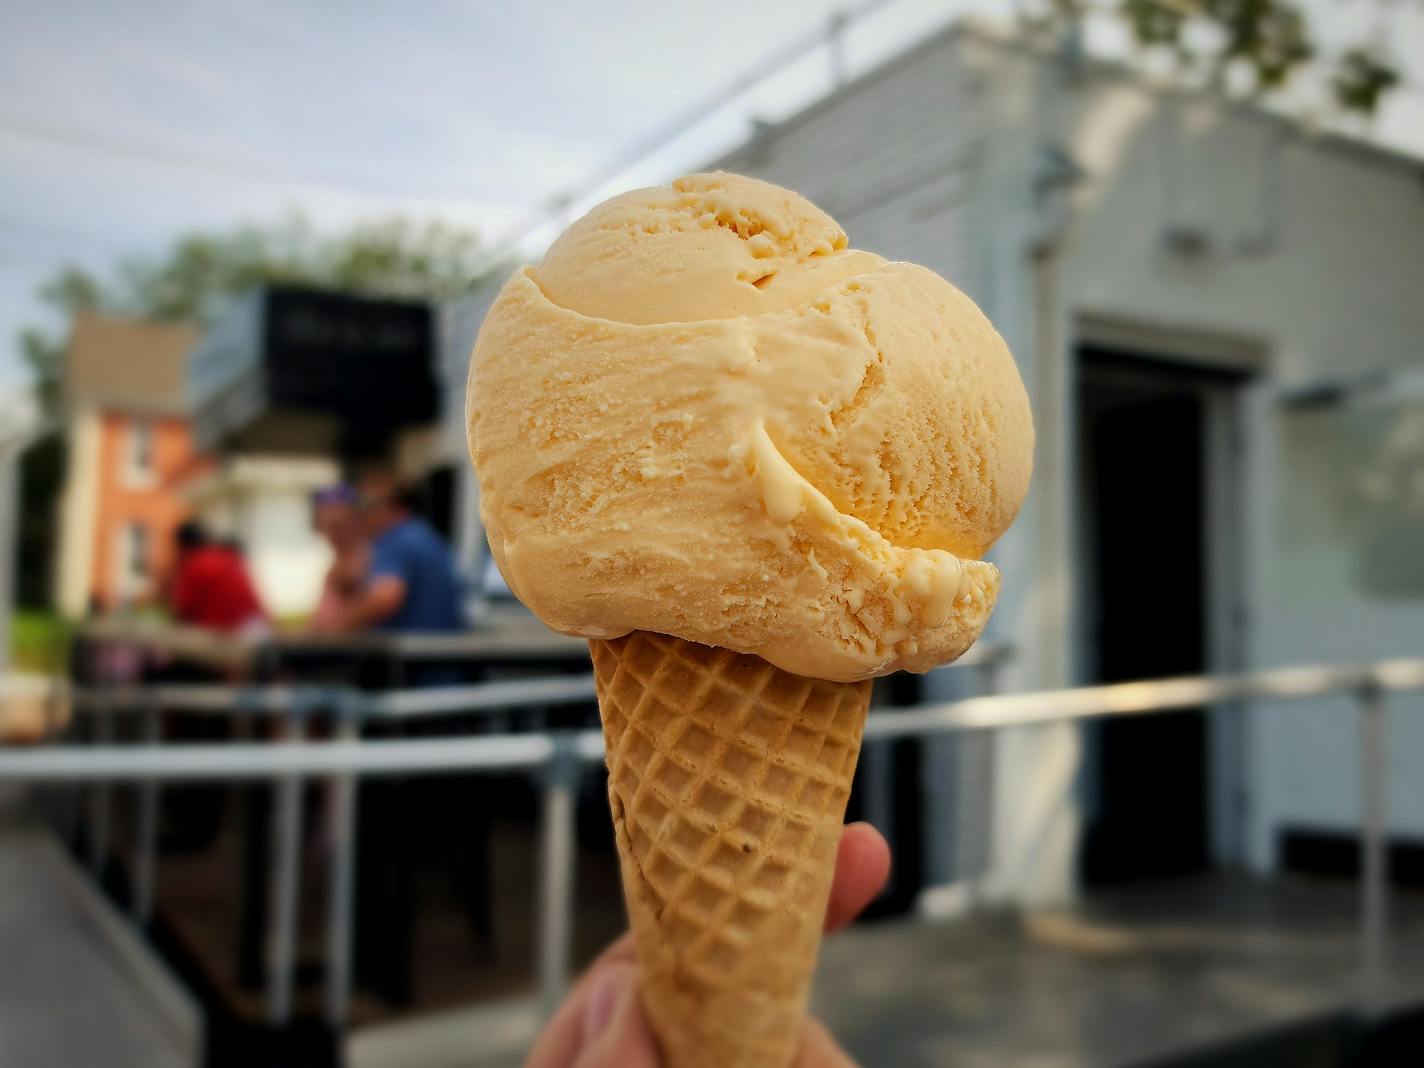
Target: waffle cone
728, 780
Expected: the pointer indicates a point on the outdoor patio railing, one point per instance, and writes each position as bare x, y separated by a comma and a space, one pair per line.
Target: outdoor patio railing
561, 755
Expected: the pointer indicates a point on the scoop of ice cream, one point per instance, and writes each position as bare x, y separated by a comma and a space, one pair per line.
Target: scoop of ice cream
712, 246
704, 415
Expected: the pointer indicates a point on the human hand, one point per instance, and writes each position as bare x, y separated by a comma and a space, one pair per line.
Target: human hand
601, 1023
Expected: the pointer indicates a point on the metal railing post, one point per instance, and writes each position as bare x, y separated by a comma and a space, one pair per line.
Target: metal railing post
988, 675
285, 851
557, 871
974, 818
84, 668
877, 785
146, 843
341, 901
98, 836
66, 796
1374, 857
953, 786
938, 778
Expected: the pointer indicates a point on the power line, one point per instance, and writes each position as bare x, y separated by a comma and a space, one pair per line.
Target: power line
684, 120
675, 127
230, 167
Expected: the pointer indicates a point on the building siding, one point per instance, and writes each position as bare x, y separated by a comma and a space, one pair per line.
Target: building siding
1316, 253
889, 158
1309, 251
154, 502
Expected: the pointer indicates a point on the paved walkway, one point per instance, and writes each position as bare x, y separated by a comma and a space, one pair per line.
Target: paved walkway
1120, 980
1125, 979
77, 988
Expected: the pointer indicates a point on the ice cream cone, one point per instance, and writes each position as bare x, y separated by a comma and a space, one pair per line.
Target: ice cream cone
728, 780
704, 413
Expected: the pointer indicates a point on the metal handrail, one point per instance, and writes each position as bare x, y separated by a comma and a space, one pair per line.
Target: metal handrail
286, 700
517, 633
559, 756
1003, 711
479, 697
992, 712
246, 761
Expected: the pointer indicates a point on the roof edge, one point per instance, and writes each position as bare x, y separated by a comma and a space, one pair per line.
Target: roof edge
995, 33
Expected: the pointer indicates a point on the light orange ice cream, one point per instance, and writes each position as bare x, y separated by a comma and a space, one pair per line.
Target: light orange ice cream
704, 415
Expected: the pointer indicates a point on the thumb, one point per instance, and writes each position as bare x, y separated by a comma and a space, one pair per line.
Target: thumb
615, 1031
819, 1049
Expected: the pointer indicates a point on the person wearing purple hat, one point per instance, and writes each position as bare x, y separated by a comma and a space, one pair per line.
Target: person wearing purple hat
335, 516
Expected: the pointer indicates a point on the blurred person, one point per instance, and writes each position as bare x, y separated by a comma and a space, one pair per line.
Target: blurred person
601, 1023
412, 587
335, 517
211, 587
412, 583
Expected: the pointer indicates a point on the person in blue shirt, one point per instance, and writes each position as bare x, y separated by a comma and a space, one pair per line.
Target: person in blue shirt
412, 584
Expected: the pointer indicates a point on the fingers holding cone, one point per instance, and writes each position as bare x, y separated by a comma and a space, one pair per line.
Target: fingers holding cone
614, 1032
601, 1021
862, 867
820, 1050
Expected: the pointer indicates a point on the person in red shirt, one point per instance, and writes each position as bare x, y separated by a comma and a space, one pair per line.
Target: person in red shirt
211, 587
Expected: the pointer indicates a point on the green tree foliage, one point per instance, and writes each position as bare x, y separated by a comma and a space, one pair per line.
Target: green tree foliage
1267, 40
1361, 80
397, 258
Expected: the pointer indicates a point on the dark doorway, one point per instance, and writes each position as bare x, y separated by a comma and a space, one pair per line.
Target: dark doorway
1142, 446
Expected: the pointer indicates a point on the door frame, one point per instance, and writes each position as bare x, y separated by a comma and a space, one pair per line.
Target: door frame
1231, 463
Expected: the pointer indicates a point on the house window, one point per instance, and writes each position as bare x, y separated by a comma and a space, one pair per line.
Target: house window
133, 560
138, 457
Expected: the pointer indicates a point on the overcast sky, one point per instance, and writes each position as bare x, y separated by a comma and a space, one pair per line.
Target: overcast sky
122, 124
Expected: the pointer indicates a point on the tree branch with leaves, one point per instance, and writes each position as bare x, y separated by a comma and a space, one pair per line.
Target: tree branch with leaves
394, 258
1265, 42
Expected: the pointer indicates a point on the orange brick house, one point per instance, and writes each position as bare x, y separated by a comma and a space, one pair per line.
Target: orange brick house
130, 452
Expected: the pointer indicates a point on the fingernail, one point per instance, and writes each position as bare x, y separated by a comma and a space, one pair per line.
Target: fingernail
608, 987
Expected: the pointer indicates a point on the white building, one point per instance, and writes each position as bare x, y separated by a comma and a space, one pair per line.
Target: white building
1178, 276
264, 504
1217, 316
287, 384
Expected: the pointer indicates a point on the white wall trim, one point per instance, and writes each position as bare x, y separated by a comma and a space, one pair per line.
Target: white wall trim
79, 507
1180, 342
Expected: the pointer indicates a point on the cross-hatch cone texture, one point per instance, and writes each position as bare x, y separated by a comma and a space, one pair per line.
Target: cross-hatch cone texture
728, 780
